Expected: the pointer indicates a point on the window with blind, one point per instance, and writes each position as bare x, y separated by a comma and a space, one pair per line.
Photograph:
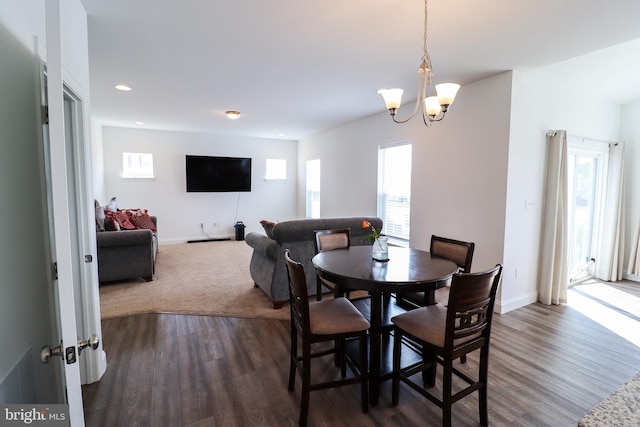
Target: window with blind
313, 188
394, 190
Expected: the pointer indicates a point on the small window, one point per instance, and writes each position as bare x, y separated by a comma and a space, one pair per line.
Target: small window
276, 169
313, 189
137, 165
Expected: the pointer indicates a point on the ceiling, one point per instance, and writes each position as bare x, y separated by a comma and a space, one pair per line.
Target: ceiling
295, 68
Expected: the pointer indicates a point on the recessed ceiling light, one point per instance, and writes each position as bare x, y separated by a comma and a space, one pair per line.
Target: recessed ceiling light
232, 114
123, 87
140, 123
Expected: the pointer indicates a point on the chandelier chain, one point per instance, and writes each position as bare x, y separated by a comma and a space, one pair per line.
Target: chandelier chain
426, 58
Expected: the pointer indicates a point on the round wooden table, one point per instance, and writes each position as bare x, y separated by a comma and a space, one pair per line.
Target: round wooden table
408, 270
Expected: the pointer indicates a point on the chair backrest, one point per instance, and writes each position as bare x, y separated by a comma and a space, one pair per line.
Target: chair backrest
328, 240
470, 310
454, 250
298, 295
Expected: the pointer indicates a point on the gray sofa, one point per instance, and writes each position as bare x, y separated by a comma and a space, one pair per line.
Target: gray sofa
267, 266
127, 254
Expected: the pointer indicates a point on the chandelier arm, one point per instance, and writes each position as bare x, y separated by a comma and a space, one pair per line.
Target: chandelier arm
422, 92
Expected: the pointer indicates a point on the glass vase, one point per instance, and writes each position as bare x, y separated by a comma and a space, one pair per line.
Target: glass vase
380, 250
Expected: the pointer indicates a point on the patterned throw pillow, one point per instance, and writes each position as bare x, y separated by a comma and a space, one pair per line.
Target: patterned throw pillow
268, 227
121, 219
143, 221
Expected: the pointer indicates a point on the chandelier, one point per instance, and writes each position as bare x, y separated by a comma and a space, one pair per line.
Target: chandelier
433, 108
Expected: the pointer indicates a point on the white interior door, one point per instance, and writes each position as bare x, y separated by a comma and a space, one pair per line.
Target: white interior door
37, 305
62, 230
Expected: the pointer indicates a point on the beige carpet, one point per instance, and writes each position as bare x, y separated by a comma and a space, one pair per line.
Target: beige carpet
210, 278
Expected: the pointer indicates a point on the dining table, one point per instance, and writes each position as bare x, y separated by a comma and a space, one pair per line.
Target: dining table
406, 270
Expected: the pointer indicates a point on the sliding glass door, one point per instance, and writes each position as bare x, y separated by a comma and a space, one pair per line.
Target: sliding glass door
587, 163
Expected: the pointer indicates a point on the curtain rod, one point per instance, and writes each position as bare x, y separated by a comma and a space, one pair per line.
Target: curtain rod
592, 139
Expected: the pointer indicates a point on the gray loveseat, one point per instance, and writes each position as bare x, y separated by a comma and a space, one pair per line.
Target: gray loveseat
267, 266
127, 254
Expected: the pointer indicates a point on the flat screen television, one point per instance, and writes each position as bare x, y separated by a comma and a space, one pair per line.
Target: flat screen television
218, 174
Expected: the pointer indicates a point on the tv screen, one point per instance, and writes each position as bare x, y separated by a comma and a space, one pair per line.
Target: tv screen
212, 174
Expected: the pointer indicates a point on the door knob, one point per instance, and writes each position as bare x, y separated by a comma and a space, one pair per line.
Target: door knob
92, 343
47, 352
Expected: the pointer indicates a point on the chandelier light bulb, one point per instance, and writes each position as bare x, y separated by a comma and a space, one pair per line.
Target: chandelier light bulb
233, 115
447, 92
432, 105
392, 97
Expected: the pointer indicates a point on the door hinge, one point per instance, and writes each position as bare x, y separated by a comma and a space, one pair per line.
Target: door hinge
54, 270
45, 114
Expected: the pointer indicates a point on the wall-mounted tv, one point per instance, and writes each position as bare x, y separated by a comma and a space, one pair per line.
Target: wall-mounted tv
214, 174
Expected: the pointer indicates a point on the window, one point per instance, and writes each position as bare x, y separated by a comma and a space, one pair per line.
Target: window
137, 165
276, 169
313, 188
394, 190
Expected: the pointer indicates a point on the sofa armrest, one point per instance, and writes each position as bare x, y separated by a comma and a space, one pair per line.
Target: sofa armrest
107, 239
263, 245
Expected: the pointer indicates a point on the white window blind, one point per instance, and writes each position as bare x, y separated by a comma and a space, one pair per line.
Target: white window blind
276, 169
137, 165
313, 189
394, 190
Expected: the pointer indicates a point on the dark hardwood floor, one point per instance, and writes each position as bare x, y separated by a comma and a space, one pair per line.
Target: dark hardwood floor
548, 367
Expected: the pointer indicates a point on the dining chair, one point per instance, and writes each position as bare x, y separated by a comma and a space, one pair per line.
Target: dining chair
448, 333
328, 240
457, 251
331, 320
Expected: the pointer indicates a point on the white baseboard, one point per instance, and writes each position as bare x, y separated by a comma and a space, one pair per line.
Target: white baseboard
505, 306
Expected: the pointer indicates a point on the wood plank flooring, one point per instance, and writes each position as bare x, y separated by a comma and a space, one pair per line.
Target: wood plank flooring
548, 367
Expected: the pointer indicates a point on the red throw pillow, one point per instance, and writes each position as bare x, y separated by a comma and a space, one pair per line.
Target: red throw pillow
143, 221
121, 219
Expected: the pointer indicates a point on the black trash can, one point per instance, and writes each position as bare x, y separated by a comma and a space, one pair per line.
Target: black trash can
239, 230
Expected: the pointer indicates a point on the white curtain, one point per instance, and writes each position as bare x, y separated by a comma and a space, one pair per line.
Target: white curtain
554, 270
634, 257
609, 259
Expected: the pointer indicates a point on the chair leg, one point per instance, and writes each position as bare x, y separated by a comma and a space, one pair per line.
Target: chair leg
397, 348
447, 379
306, 384
340, 357
429, 374
318, 290
482, 392
294, 356
364, 373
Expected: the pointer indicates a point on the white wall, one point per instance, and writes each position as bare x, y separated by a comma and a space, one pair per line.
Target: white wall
459, 169
540, 103
630, 133
180, 213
